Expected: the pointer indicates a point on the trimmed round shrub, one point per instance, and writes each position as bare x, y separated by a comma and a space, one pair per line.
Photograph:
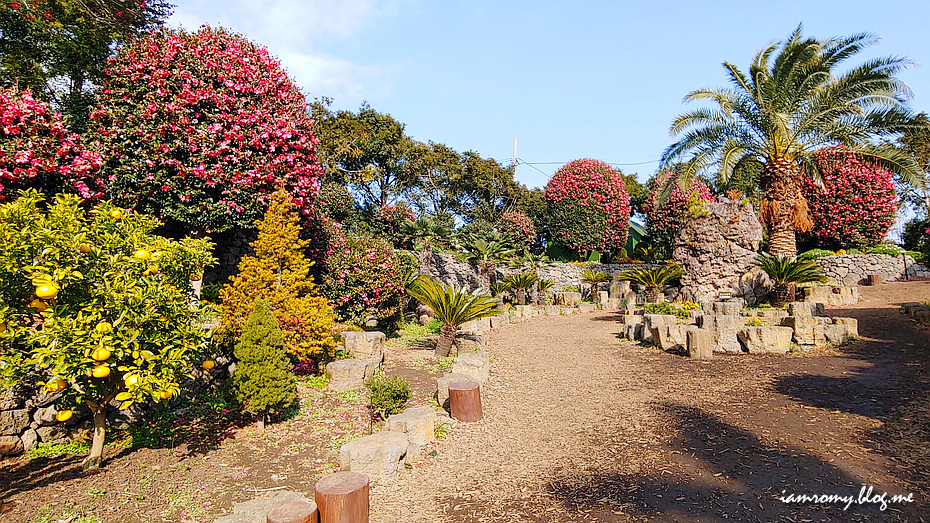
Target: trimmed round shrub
663, 219
202, 128
37, 151
588, 207
857, 205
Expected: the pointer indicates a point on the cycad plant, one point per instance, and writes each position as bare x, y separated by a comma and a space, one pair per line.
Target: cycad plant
519, 282
593, 279
485, 252
653, 278
542, 288
786, 272
499, 287
453, 306
423, 233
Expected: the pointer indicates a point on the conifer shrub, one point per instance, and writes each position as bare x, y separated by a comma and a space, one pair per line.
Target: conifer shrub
279, 273
262, 381
388, 395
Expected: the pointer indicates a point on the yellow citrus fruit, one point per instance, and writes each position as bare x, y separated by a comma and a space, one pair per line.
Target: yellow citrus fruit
38, 305
100, 371
100, 354
2, 328
164, 395
116, 214
64, 415
85, 247
156, 255
208, 364
47, 291
131, 380
104, 327
56, 385
142, 254
195, 277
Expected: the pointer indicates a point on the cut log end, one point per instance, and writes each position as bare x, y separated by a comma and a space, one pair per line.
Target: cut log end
465, 401
343, 497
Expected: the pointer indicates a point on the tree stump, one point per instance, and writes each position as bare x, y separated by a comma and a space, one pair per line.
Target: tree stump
293, 511
343, 498
465, 401
875, 279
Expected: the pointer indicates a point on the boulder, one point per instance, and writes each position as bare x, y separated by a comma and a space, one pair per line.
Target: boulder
475, 365
650, 321
476, 326
725, 329
256, 510
12, 422
466, 343
766, 340
569, 298
808, 333
364, 345
418, 424
50, 434
553, 310
586, 308
10, 445
835, 334
672, 337
803, 308
603, 297
12, 398
379, 456
30, 439
45, 415
633, 331
770, 316
350, 374
851, 324
497, 321
727, 308
700, 343
442, 387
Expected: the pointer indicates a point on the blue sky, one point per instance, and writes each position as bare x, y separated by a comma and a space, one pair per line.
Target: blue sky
567, 79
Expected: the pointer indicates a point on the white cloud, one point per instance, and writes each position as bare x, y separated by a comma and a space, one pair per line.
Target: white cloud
290, 28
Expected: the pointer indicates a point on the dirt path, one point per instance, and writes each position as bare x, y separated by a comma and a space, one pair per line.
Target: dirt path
582, 426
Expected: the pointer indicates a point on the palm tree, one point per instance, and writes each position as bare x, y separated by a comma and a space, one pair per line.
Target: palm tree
791, 104
542, 288
453, 305
485, 252
519, 282
593, 279
653, 278
786, 272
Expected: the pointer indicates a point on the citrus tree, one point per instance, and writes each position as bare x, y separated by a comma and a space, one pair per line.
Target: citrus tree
97, 305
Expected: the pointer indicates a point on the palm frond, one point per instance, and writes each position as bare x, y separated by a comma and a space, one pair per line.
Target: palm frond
788, 269
654, 276
453, 305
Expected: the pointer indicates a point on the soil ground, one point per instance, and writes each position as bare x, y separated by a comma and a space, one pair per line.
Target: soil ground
579, 426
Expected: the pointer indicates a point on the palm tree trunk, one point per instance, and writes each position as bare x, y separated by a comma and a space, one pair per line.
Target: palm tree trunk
446, 338
652, 294
521, 296
783, 208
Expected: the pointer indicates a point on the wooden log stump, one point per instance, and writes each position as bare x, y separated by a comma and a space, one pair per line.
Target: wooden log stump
293, 511
343, 498
875, 279
465, 400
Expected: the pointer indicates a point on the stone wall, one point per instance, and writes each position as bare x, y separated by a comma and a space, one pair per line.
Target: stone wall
230, 248
854, 269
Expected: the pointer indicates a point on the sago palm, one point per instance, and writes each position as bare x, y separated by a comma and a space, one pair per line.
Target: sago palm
653, 278
453, 306
593, 279
791, 103
485, 252
786, 272
519, 282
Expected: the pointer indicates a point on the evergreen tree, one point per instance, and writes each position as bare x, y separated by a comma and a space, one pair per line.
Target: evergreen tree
262, 380
279, 273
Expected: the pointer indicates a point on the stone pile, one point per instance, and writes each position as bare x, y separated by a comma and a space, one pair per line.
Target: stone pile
367, 351
918, 311
726, 327
854, 269
831, 296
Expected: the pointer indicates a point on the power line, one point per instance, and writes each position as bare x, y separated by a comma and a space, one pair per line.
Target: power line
608, 163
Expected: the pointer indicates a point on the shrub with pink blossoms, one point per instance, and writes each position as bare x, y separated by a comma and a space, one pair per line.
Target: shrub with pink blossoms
200, 128
519, 228
37, 151
389, 219
857, 205
588, 207
663, 219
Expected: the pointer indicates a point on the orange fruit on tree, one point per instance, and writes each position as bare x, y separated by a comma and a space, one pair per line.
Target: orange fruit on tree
156, 255
164, 395
100, 354
104, 327
131, 380
100, 371
56, 385
64, 415
2, 328
195, 277
116, 214
38, 305
47, 291
208, 364
142, 254
85, 247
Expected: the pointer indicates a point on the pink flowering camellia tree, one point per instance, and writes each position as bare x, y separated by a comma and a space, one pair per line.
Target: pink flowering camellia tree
201, 128
37, 151
856, 206
588, 206
664, 218
519, 228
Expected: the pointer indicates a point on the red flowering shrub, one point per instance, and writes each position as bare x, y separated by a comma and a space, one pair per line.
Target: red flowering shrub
388, 221
663, 219
364, 277
37, 151
857, 205
589, 209
519, 228
201, 128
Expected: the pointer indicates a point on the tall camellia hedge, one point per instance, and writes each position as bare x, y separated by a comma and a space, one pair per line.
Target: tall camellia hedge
856, 206
589, 208
37, 151
664, 218
201, 128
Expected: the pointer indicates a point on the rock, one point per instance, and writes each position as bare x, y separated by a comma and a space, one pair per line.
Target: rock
603, 297
633, 331
10, 445
586, 308
466, 343
727, 308
803, 308
766, 340
570, 298
851, 325
700, 343
50, 434
807, 332
475, 365
12, 398
835, 334
652, 320
672, 337
418, 424
294, 511
553, 310
725, 329
45, 415
717, 251
256, 510
364, 345
442, 387
497, 321
13, 421
477, 326
379, 456
30, 439
628, 319
770, 316
349, 374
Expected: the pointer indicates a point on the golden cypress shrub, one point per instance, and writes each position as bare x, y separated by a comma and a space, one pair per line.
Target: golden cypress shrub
279, 273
